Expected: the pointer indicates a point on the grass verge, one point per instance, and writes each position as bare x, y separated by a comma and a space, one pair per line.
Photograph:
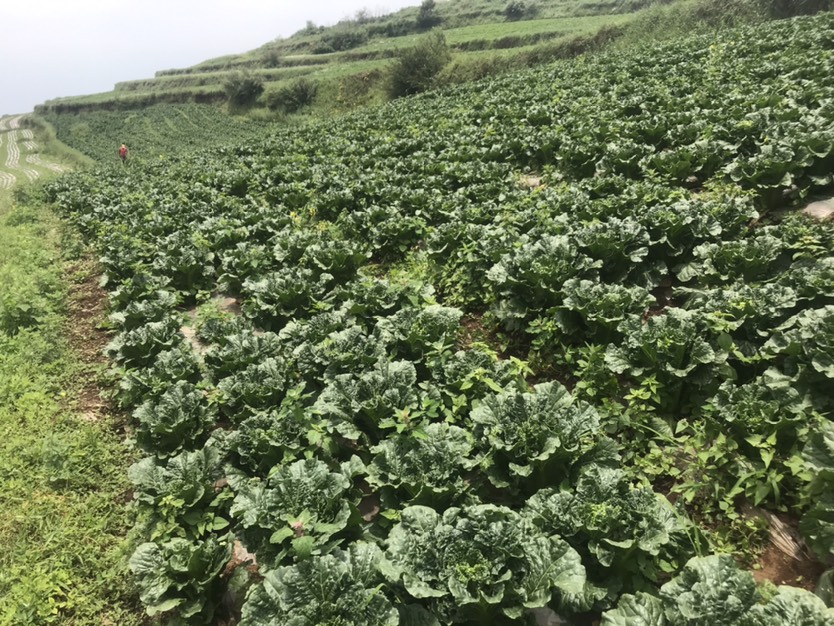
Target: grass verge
63, 518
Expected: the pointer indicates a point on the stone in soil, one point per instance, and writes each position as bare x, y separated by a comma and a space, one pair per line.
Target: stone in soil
820, 210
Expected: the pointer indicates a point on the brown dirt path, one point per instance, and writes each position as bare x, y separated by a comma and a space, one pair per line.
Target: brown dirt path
86, 308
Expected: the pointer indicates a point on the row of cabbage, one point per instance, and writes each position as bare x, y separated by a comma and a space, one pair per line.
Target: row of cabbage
476, 328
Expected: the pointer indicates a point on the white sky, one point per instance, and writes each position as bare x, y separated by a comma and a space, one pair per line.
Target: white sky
54, 48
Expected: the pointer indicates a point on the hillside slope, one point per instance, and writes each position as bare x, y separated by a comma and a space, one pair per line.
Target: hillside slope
541, 341
347, 61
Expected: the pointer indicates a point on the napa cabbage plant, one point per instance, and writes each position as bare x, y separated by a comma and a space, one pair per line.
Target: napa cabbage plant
367, 298
462, 252
527, 438
746, 259
143, 383
680, 163
240, 261
329, 344
773, 165
339, 258
260, 386
530, 277
179, 419
137, 287
139, 346
216, 327
412, 333
275, 298
368, 403
279, 435
344, 587
181, 578
155, 308
389, 230
297, 511
817, 525
186, 258
594, 309
675, 227
812, 279
807, 342
479, 562
754, 307
429, 465
351, 349
756, 411
672, 345
235, 352
183, 496
467, 376
713, 591
624, 534
617, 243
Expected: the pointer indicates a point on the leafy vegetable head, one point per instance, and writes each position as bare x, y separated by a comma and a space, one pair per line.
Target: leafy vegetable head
712, 591
296, 511
279, 435
744, 259
615, 525
179, 497
817, 525
670, 345
339, 588
180, 418
429, 464
367, 403
485, 558
412, 333
169, 366
182, 577
258, 387
522, 432
237, 351
807, 339
530, 277
139, 346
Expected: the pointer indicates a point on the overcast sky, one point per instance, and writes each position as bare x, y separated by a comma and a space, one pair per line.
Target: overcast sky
53, 48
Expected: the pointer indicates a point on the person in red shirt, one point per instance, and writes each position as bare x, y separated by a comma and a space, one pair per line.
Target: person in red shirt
123, 153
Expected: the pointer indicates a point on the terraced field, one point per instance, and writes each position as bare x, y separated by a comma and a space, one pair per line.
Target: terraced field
154, 132
361, 49
20, 157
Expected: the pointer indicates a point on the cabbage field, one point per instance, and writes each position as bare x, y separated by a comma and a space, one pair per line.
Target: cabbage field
535, 344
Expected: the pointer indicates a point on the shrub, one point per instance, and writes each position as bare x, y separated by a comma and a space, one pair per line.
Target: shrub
292, 97
416, 68
242, 89
427, 16
341, 37
518, 9
790, 8
272, 58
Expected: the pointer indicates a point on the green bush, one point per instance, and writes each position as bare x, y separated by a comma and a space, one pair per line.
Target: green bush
292, 97
242, 89
342, 37
518, 10
416, 68
790, 8
428, 17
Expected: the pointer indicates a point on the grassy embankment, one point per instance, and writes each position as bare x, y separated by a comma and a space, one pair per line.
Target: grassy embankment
348, 61
63, 517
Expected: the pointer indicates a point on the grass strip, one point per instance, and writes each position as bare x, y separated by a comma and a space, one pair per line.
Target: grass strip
63, 518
